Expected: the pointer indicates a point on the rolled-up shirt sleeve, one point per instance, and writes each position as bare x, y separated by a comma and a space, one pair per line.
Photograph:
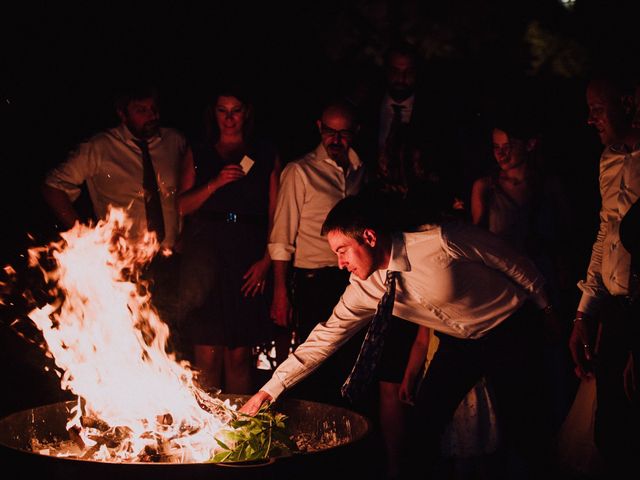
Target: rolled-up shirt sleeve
354, 310
81, 164
286, 220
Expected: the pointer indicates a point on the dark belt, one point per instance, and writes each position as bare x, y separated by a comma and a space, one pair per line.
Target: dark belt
233, 217
626, 301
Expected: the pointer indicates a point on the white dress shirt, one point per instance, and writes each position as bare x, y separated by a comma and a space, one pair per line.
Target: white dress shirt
609, 268
457, 279
309, 189
111, 165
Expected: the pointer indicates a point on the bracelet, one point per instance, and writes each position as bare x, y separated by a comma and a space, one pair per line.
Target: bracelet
577, 319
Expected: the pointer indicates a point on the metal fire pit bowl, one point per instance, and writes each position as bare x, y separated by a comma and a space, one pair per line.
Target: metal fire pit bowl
348, 431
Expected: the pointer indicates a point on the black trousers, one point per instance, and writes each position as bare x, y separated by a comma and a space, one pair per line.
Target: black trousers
163, 277
509, 357
617, 423
315, 292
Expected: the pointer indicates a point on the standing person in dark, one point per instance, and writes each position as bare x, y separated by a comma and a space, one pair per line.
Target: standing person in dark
528, 207
466, 284
309, 188
608, 290
630, 238
411, 97
399, 142
396, 102
228, 193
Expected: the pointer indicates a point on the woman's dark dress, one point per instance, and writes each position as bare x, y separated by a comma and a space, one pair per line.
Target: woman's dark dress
218, 252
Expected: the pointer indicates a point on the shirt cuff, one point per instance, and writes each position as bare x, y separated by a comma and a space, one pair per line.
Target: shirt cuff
588, 305
274, 388
540, 300
280, 251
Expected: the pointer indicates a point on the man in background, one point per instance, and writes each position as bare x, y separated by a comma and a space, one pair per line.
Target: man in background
134, 166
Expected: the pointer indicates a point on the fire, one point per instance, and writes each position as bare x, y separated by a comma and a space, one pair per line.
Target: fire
110, 345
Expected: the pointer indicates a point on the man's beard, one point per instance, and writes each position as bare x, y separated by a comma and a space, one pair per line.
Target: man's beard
337, 153
400, 92
148, 130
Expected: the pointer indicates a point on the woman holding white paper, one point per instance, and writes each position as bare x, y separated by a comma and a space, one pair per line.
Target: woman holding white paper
227, 198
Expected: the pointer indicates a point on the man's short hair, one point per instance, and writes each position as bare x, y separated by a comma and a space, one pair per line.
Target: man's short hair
352, 215
344, 107
401, 47
125, 95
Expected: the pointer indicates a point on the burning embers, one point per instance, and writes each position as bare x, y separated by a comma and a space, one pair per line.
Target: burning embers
136, 401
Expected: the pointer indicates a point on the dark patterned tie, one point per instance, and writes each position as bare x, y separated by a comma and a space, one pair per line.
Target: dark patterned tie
373, 344
397, 112
396, 122
152, 204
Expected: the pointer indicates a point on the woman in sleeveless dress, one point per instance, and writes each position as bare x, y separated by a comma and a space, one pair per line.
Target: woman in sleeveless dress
228, 197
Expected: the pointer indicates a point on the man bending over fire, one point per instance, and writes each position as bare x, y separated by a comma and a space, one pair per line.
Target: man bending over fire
474, 291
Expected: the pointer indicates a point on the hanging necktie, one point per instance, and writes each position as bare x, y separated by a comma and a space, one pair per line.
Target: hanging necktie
396, 122
362, 373
152, 204
397, 113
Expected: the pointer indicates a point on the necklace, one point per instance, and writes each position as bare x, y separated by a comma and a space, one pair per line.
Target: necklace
512, 181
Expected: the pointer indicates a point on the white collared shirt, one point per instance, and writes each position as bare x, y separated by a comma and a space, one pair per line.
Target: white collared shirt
309, 188
610, 265
457, 279
111, 165
386, 115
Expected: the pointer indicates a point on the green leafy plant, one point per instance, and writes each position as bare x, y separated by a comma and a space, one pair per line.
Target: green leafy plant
255, 437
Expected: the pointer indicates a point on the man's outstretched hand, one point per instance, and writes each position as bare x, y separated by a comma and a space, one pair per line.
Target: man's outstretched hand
252, 405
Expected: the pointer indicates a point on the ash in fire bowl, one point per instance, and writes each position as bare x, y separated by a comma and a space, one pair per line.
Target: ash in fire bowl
313, 427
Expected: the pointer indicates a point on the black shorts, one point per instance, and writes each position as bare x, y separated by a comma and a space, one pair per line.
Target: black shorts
397, 346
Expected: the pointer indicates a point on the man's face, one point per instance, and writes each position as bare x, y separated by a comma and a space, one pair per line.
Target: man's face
141, 118
401, 76
358, 257
337, 131
606, 114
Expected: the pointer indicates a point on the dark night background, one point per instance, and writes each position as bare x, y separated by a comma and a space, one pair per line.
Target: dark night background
60, 63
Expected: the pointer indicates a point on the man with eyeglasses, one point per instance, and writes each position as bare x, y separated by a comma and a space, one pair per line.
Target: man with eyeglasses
309, 188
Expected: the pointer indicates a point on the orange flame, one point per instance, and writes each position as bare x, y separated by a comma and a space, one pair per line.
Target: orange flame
111, 345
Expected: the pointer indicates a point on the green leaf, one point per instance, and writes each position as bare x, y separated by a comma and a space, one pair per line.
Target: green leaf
223, 445
254, 438
239, 423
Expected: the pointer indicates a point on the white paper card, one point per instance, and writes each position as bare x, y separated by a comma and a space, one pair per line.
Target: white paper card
246, 163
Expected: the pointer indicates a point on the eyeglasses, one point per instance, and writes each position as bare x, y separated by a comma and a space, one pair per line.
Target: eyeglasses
326, 131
